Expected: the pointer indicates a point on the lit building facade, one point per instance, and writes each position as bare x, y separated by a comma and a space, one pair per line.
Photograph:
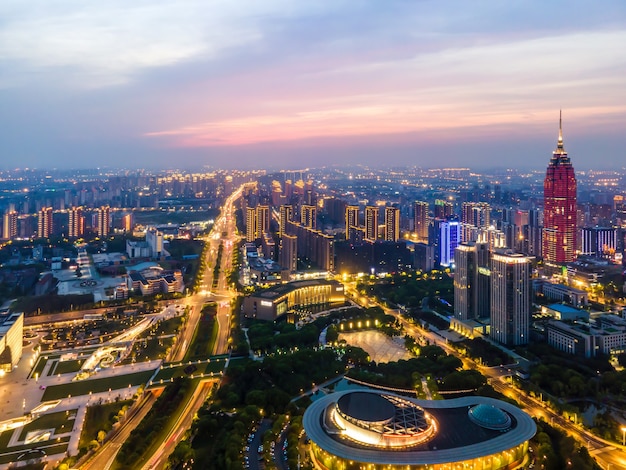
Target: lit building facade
44, 223
308, 216
559, 208
103, 221
420, 220
9, 225
449, 239
76, 222
472, 279
371, 223
366, 429
510, 298
392, 224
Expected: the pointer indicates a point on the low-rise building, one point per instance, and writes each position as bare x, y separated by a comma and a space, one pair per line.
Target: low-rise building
273, 302
11, 337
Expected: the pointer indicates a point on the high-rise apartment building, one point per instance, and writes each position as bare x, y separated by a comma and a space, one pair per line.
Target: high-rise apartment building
251, 224
286, 215
76, 222
352, 222
9, 225
443, 209
288, 256
420, 218
559, 208
472, 281
392, 224
510, 298
104, 221
477, 214
44, 222
263, 220
371, 223
308, 216
449, 239
128, 222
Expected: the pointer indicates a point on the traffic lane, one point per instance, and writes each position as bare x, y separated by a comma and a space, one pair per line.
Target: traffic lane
252, 453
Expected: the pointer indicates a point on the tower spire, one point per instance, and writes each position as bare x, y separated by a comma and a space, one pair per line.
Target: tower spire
560, 143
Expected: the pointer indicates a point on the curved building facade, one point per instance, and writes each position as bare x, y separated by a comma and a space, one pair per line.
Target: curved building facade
378, 430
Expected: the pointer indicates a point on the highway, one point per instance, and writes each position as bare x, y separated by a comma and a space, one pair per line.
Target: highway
103, 459
224, 224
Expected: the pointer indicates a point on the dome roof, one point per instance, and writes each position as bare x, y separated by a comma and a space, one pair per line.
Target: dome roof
490, 417
366, 406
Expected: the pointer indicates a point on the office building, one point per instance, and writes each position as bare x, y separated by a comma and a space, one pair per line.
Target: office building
599, 242
44, 223
392, 224
472, 281
449, 239
559, 211
510, 297
76, 222
477, 214
11, 340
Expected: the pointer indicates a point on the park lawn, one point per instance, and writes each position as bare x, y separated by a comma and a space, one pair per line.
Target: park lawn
83, 387
204, 337
59, 421
41, 364
67, 367
98, 418
215, 366
11, 454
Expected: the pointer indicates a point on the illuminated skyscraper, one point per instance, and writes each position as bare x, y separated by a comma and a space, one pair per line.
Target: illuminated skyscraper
76, 222
392, 224
44, 223
510, 298
420, 217
559, 208
472, 281
443, 209
449, 239
371, 223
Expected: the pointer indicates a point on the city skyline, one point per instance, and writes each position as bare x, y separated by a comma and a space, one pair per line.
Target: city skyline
274, 84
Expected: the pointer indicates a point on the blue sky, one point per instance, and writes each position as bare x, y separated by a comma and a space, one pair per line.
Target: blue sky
279, 84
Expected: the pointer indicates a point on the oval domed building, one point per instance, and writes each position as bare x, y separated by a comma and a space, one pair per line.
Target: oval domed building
369, 429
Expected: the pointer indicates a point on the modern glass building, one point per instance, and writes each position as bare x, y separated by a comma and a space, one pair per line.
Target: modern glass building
379, 430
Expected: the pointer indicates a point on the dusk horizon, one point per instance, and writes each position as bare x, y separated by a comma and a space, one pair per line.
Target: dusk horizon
280, 85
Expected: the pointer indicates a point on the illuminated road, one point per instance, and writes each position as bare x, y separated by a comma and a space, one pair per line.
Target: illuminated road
225, 223
201, 393
105, 456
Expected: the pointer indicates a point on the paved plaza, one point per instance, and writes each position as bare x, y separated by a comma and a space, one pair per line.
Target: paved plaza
379, 346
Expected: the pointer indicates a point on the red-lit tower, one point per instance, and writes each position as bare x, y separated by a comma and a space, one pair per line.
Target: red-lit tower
559, 208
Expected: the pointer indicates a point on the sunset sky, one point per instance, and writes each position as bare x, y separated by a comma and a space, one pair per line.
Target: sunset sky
285, 84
